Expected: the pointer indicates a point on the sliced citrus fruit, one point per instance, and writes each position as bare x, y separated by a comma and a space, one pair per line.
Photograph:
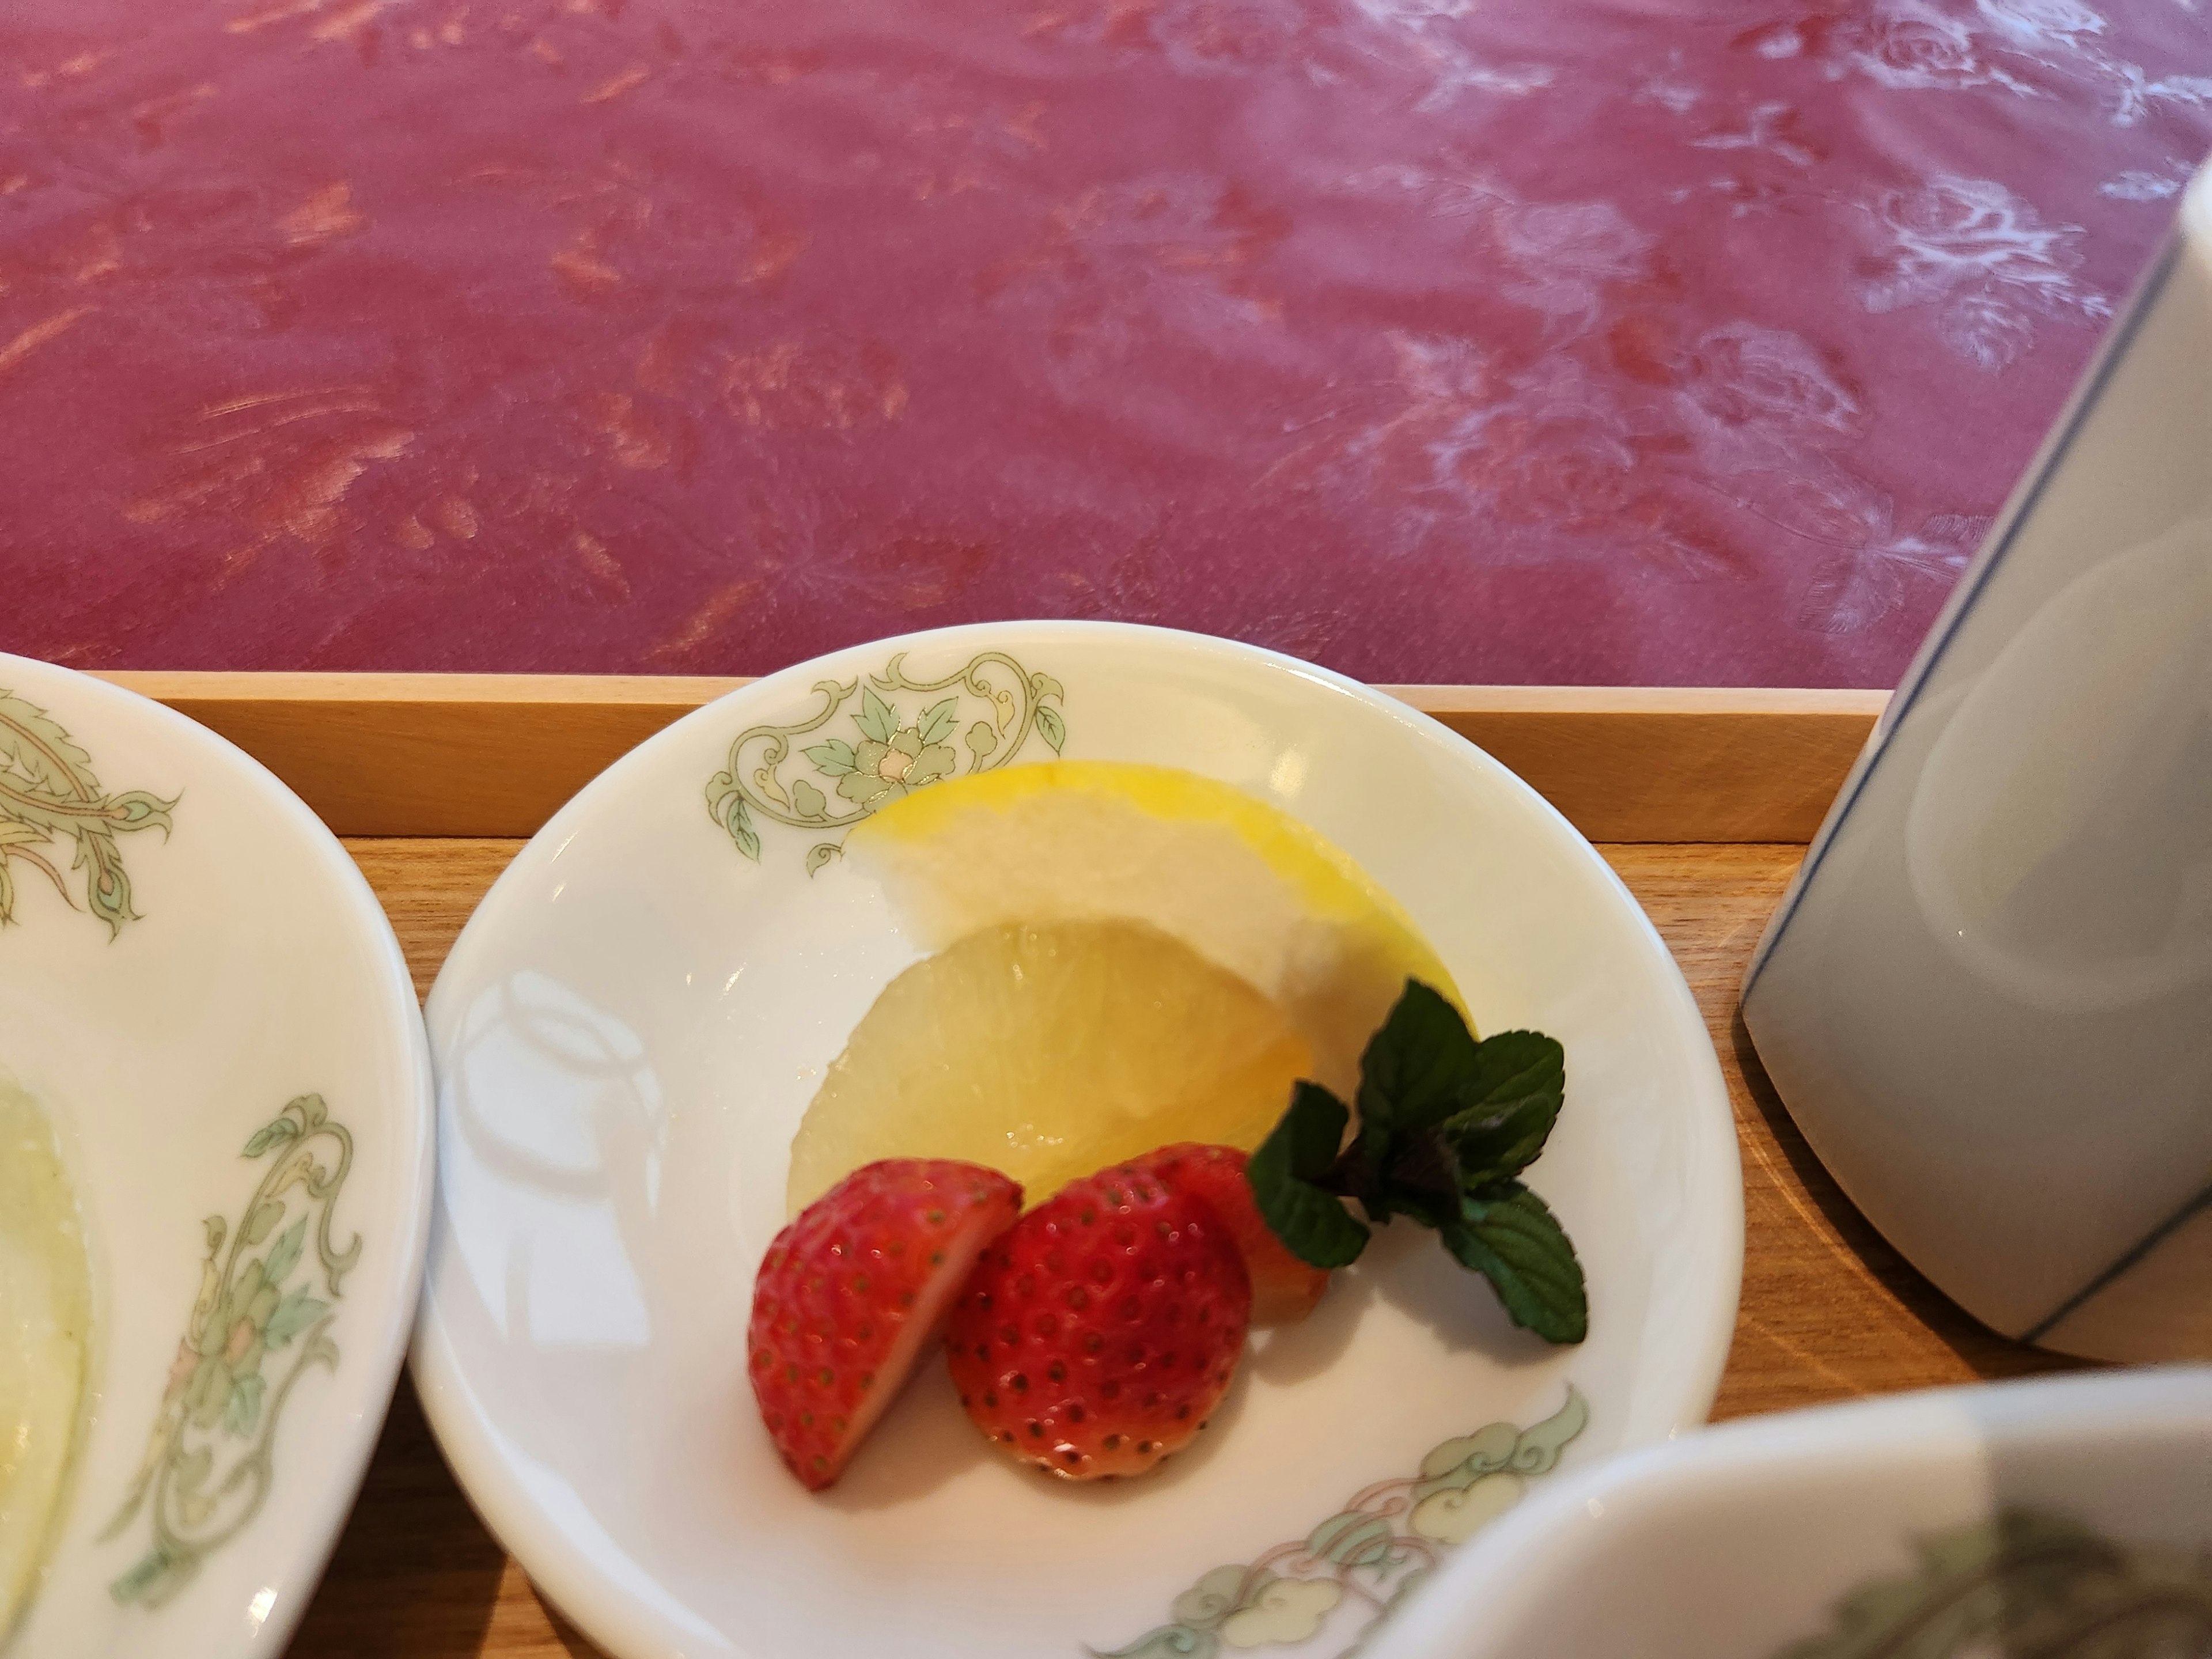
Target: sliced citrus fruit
1238, 880
1049, 1052
1287, 955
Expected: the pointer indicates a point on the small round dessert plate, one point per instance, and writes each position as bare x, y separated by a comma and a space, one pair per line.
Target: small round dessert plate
627, 1034
215, 1124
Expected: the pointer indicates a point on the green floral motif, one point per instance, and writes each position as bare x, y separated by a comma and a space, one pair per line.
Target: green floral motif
208, 1467
893, 749
1376, 1549
2024, 1582
48, 792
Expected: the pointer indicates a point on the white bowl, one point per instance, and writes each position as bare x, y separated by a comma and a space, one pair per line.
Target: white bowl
2059, 1515
627, 1033
202, 982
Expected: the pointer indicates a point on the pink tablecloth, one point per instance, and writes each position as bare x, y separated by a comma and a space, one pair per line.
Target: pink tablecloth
1517, 340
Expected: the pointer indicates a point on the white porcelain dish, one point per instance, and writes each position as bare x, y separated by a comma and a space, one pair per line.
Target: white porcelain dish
201, 992
630, 1026
2067, 1515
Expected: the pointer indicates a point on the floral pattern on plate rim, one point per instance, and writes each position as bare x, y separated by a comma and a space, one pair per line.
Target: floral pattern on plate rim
1394, 1532
209, 1462
2024, 1581
992, 706
48, 789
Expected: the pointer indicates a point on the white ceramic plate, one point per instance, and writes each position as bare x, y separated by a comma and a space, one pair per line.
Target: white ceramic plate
633, 1022
2063, 1516
201, 993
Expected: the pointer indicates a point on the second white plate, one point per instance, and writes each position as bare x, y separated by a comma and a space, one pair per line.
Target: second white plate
209, 1011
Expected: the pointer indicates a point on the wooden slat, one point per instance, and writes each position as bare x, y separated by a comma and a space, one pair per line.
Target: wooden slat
1829, 1311
1631, 763
497, 754
431, 754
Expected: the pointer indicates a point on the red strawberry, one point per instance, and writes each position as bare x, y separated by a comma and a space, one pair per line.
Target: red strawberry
1284, 1288
1098, 1335
849, 1293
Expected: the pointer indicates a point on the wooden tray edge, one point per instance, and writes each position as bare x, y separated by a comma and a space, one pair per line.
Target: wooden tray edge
497, 754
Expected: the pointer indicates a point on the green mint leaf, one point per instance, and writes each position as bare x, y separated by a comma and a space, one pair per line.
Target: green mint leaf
1298, 1151
1421, 1181
1511, 1238
1508, 1103
1313, 1224
1417, 1207
1311, 1131
1356, 1175
1445, 1123
1423, 1161
1414, 1067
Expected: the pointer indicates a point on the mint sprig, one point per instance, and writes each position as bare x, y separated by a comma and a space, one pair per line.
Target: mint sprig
1446, 1126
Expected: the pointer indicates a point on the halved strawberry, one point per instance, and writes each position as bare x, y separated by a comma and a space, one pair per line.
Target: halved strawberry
1098, 1334
849, 1293
1284, 1288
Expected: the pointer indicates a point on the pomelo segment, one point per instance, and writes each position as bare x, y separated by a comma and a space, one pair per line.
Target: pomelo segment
1049, 1052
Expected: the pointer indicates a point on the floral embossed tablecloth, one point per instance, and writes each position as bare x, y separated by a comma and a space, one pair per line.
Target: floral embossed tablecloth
1502, 340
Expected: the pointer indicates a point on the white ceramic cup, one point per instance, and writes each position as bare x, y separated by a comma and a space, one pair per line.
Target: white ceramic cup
1987, 998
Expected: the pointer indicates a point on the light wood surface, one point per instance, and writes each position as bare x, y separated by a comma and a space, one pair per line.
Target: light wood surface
458, 755
1828, 1312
